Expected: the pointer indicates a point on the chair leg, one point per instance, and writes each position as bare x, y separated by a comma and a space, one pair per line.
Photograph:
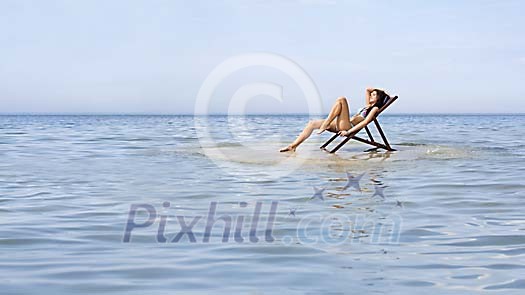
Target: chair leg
369, 133
383, 135
385, 145
340, 145
372, 143
329, 141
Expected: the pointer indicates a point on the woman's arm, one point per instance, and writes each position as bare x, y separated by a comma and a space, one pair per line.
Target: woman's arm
369, 117
368, 92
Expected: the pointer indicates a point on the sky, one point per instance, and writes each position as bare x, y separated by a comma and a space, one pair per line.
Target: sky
155, 56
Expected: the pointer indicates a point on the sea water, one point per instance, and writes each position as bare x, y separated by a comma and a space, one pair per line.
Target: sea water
177, 204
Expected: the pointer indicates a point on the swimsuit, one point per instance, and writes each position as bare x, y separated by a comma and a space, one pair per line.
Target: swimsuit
363, 111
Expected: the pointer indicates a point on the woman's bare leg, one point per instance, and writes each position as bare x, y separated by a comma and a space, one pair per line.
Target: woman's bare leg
307, 131
341, 111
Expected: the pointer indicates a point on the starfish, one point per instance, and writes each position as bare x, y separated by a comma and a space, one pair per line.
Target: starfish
318, 194
399, 204
292, 212
379, 191
353, 181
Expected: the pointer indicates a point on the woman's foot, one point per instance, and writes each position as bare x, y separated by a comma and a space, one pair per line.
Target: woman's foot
287, 149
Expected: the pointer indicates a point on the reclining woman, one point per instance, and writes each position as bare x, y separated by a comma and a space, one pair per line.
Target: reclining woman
339, 121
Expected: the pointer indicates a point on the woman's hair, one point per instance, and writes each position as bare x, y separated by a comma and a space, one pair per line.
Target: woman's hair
382, 97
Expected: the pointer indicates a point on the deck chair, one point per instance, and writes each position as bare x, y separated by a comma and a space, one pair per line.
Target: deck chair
385, 145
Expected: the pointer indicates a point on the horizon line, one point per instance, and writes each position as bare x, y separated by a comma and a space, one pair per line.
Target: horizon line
225, 114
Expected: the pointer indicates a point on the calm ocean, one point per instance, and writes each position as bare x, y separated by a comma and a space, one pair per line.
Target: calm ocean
135, 205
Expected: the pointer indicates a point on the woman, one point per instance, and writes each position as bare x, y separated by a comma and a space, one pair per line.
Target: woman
339, 121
